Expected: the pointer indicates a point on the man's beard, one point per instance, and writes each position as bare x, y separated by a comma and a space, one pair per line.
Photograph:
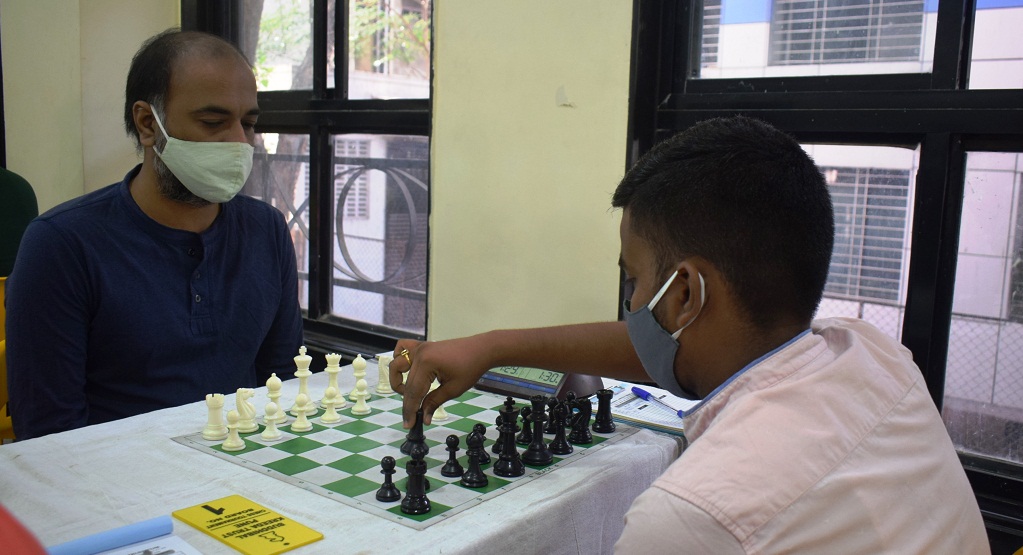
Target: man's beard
169, 186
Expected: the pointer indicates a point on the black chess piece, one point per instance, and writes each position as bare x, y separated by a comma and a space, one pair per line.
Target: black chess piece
415, 502
416, 440
482, 431
474, 476
526, 435
537, 454
580, 422
509, 463
603, 424
549, 427
452, 468
388, 492
496, 448
558, 445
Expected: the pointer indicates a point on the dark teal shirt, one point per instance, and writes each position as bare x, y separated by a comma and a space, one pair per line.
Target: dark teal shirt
110, 314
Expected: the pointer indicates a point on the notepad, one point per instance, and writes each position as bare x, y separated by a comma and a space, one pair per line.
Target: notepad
248, 526
627, 407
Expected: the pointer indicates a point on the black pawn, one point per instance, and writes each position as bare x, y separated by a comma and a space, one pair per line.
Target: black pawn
526, 435
537, 454
603, 424
482, 431
560, 446
452, 468
388, 492
415, 502
474, 476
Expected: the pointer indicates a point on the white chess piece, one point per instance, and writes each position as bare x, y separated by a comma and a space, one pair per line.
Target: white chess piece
302, 362
234, 442
215, 429
271, 433
301, 423
246, 410
384, 381
361, 392
440, 413
359, 371
330, 416
273, 391
332, 369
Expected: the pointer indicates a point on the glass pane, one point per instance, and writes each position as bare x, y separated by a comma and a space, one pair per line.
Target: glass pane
389, 49
278, 41
381, 199
997, 57
280, 177
781, 38
983, 406
872, 193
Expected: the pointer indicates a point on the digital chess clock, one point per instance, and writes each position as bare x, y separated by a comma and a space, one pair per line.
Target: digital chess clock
524, 382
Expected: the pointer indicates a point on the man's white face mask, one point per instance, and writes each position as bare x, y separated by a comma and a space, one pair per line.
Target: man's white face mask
212, 171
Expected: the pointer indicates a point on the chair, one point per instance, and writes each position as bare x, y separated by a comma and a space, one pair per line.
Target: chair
6, 428
18, 206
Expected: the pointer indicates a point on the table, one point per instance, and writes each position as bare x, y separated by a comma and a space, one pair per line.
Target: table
73, 484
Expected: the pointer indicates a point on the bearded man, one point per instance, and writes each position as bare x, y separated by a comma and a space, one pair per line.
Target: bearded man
166, 286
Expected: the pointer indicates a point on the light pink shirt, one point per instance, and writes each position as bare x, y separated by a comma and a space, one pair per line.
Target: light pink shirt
830, 445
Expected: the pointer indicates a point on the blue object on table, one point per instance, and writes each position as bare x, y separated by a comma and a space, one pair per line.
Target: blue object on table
647, 396
118, 537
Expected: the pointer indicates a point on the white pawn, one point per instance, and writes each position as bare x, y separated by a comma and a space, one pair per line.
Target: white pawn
246, 410
301, 423
234, 442
440, 413
384, 380
273, 391
330, 416
271, 433
215, 429
361, 392
359, 371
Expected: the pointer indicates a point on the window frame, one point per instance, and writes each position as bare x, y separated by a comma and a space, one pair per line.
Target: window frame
321, 113
934, 112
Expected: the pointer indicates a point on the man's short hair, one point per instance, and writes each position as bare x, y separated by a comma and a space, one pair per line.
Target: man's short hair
150, 73
747, 198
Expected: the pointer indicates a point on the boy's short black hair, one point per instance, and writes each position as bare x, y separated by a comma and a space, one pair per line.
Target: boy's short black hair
747, 198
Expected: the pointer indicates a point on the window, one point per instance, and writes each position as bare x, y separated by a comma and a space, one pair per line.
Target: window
845, 31
870, 221
775, 38
914, 113
871, 193
343, 152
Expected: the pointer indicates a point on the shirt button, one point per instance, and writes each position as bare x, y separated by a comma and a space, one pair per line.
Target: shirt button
198, 299
191, 252
198, 275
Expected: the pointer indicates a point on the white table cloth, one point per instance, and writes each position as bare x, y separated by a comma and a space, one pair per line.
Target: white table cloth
73, 484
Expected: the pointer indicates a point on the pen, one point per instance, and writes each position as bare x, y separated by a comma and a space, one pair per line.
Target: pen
647, 396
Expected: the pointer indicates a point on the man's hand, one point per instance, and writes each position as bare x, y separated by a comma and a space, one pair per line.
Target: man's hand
456, 363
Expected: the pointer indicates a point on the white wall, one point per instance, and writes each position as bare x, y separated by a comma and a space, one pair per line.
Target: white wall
64, 68
521, 230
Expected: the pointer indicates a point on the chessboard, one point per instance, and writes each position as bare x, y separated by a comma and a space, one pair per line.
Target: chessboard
341, 461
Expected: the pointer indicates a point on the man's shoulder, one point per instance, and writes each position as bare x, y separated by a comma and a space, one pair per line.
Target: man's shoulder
83, 206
